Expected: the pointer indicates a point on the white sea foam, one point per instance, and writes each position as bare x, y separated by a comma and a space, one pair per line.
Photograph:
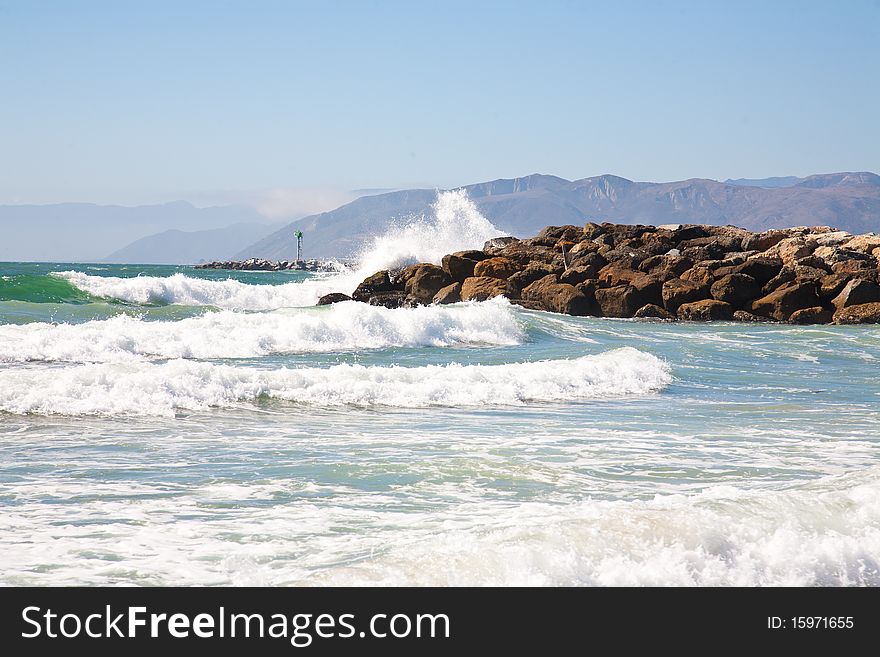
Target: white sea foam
825, 532
184, 290
341, 327
453, 224
818, 535
159, 389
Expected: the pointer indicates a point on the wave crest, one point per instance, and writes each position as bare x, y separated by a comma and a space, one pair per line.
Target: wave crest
160, 389
341, 327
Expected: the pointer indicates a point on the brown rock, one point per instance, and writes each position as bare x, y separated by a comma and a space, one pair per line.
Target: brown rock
745, 316
579, 274
766, 240
793, 248
581, 249
524, 254
814, 262
498, 267
555, 233
856, 292
706, 310
699, 273
592, 230
860, 268
785, 275
425, 281
736, 289
333, 297
480, 288
526, 277
375, 284
653, 311
666, 266
558, 297
449, 294
682, 233
619, 301
761, 268
865, 313
782, 302
529, 305
458, 267
814, 315
831, 285
864, 243
395, 299
677, 291
497, 243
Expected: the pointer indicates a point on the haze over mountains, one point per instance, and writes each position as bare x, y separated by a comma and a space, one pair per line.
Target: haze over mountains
86, 232
522, 206
179, 232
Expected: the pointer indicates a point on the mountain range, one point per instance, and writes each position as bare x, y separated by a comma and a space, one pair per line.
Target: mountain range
522, 206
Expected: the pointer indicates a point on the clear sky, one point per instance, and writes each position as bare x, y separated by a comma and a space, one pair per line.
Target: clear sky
133, 102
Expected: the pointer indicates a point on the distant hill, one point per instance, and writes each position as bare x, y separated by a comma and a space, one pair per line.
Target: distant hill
521, 206
779, 181
173, 247
65, 232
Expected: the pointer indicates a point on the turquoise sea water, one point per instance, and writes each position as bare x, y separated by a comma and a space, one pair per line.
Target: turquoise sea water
164, 425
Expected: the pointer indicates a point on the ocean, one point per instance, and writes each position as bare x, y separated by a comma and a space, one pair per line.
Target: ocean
172, 426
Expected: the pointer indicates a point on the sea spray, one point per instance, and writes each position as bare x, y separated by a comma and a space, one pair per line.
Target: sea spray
453, 224
161, 389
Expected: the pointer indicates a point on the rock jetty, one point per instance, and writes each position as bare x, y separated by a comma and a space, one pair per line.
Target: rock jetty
258, 264
803, 275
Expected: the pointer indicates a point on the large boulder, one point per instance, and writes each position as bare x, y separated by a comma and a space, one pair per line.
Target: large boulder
856, 292
376, 284
619, 301
449, 294
865, 313
782, 302
579, 274
864, 243
676, 292
761, 268
736, 289
706, 310
525, 277
497, 243
793, 248
745, 316
333, 297
666, 267
766, 240
831, 285
425, 281
480, 288
393, 299
497, 267
814, 315
459, 267
653, 311
559, 297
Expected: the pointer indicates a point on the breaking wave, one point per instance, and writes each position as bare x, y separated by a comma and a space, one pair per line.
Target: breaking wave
161, 389
341, 327
454, 224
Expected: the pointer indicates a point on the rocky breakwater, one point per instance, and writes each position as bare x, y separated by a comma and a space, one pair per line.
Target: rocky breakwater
258, 264
803, 275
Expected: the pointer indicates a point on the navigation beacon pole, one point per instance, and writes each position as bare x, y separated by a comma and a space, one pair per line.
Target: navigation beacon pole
299, 245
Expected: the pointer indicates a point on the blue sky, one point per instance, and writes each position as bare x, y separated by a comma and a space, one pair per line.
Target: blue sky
132, 102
